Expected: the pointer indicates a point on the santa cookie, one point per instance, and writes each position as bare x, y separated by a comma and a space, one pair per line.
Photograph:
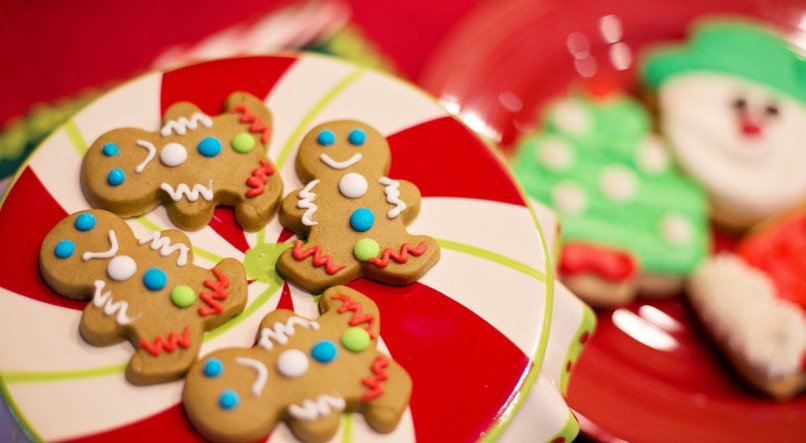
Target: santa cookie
302, 371
192, 164
351, 215
732, 103
146, 290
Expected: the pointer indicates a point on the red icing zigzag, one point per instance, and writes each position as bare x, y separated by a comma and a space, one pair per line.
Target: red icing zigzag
401, 258
219, 289
260, 176
373, 382
256, 124
318, 259
168, 345
348, 304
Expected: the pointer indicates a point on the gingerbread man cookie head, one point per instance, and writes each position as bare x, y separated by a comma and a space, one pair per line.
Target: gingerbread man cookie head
337, 148
305, 372
733, 105
147, 290
193, 163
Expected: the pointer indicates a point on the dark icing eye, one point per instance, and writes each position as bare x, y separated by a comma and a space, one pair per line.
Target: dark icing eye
772, 110
740, 104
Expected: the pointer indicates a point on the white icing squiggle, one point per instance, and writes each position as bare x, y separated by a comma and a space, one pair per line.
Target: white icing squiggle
280, 332
182, 124
740, 305
113, 249
323, 406
306, 198
166, 248
152, 151
183, 190
110, 307
392, 191
262, 373
341, 165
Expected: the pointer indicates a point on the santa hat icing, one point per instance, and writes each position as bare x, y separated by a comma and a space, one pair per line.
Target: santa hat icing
736, 48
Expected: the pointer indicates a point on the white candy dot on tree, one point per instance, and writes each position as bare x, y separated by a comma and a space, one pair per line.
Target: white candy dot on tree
652, 156
569, 198
555, 154
618, 183
571, 117
676, 229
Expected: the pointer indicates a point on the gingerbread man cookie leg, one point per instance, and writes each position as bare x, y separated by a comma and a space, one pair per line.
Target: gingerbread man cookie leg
302, 371
147, 290
352, 216
192, 164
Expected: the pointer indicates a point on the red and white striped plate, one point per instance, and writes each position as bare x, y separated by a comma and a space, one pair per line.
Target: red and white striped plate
474, 333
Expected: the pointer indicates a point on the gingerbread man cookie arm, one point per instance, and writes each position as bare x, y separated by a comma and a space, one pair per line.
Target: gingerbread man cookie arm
162, 354
298, 209
403, 198
106, 319
384, 411
224, 294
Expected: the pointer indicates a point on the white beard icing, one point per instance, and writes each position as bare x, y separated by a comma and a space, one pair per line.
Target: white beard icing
752, 176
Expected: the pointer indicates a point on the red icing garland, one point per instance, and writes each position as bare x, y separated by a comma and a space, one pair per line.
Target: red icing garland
219, 289
256, 124
373, 382
401, 258
318, 259
608, 263
169, 345
348, 304
259, 178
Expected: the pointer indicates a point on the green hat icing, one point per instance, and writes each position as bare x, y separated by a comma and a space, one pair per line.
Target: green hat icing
736, 48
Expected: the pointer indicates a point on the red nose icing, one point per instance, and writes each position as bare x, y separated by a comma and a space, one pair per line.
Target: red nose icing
749, 127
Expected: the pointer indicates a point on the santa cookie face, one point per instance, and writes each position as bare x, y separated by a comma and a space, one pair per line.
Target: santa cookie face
733, 105
743, 141
192, 164
351, 215
147, 290
306, 372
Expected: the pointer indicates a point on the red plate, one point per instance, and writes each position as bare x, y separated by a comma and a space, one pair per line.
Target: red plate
649, 373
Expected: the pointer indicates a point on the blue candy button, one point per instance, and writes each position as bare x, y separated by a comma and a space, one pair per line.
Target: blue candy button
85, 222
326, 138
357, 137
116, 177
213, 367
155, 279
64, 249
362, 219
324, 351
209, 147
228, 399
111, 150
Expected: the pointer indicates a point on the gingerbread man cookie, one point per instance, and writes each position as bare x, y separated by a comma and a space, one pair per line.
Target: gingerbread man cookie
146, 290
192, 164
351, 214
304, 372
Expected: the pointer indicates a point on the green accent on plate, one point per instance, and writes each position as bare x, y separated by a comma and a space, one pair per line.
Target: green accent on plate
16, 413
207, 255
76, 374
76, 139
261, 259
569, 431
493, 257
347, 428
586, 326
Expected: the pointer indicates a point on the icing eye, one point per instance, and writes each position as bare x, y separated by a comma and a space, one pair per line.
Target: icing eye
362, 219
771, 110
85, 222
173, 154
213, 368
111, 150
116, 177
121, 268
155, 279
355, 339
243, 143
183, 296
209, 147
326, 138
228, 399
292, 363
740, 104
64, 249
324, 351
357, 137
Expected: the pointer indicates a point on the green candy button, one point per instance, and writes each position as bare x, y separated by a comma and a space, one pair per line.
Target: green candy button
183, 296
243, 142
355, 339
366, 248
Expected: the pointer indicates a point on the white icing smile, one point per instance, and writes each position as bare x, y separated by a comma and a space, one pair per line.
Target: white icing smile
192, 194
341, 165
